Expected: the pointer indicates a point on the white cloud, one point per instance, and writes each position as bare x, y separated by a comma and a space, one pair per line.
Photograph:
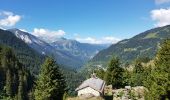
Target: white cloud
48, 35
161, 1
24, 30
8, 19
89, 40
111, 39
161, 16
104, 40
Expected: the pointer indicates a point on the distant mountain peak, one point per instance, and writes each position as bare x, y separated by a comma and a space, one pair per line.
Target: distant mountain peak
34, 42
22, 35
66, 51
63, 38
13, 29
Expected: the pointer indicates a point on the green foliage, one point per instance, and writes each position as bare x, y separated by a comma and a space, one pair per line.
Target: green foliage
138, 68
155, 78
120, 94
30, 60
132, 95
10, 80
151, 35
21, 91
114, 74
26, 55
139, 73
158, 82
50, 84
73, 80
100, 73
8, 87
127, 75
143, 59
141, 45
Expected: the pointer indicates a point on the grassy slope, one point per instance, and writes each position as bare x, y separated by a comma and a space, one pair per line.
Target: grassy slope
143, 44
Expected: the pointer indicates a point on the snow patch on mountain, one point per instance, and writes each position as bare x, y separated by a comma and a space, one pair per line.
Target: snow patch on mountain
25, 38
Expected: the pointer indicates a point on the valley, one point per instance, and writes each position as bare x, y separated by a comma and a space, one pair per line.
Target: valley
85, 50
69, 53
138, 51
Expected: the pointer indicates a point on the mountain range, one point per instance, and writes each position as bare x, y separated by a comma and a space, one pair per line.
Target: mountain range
30, 58
144, 44
67, 52
73, 54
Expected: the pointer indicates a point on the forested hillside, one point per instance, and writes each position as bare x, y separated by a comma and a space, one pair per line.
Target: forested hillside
143, 44
67, 52
58, 82
151, 75
80, 53
26, 55
33, 60
16, 81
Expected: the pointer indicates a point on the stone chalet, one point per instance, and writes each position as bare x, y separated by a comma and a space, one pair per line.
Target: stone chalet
93, 86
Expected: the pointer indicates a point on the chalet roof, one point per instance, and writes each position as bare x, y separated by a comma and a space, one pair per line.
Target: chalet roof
94, 82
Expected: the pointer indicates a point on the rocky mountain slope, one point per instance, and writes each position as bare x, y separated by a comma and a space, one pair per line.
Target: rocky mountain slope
81, 51
35, 43
26, 55
69, 53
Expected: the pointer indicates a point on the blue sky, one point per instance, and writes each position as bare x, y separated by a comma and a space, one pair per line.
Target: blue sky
93, 21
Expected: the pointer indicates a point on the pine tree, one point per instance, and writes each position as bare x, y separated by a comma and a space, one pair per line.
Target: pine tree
21, 94
8, 86
138, 67
114, 74
50, 84
138, 74
14, 81
7, 61
100, 73
127, 77
158, 82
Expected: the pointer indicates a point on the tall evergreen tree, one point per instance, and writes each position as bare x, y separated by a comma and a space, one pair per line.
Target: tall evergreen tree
114, 73
158, 82
13, 76
7, 61
21, 95
50, 84
138, 73
8, 86
138, 67
100, 73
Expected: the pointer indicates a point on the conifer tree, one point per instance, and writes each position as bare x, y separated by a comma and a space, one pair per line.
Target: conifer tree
14, 81
138, 67
7, 62
50, 84
8, 86
158, 82
100, 73
21, 95
138, 73
114, 74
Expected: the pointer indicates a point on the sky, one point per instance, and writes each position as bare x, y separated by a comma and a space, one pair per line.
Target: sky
88, 21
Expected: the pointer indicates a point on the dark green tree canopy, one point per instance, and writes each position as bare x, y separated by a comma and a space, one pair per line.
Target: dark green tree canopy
51, 83
158, 82
13, 76
114, 73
